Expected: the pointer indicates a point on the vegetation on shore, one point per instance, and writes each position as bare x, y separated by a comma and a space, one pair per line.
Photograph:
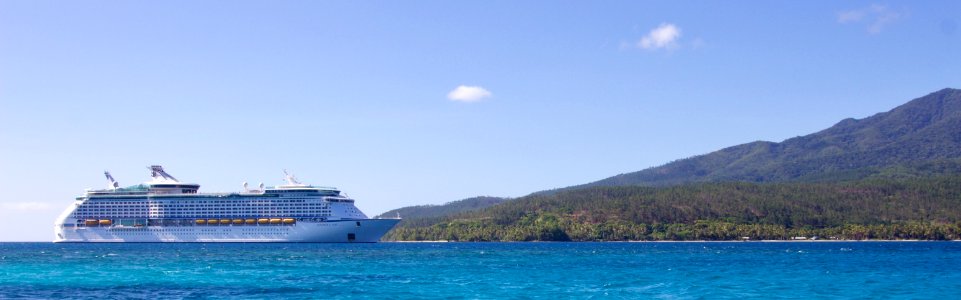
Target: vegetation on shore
920, 208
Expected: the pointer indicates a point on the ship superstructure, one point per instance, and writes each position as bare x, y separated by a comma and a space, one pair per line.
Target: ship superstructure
167, 210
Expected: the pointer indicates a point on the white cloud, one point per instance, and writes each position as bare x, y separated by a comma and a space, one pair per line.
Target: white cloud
664, 36
876, 17
466, 93
25, 206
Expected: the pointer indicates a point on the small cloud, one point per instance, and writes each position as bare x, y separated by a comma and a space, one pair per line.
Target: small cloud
466, 93
850, 16
664, 36
25, 206
876, 17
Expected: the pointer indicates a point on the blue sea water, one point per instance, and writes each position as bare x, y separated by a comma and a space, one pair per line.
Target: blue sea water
886, 270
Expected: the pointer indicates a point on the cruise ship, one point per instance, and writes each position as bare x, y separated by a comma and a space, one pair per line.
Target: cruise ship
167, 210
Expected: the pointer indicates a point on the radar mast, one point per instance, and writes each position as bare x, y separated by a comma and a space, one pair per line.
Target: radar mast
291, 180
157, 172
111, 183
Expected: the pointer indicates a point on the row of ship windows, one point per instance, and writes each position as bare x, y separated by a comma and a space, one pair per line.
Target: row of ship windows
206, 201
270, 201
203, 232
161, 209
205, 214
206, 209
199, 208
92, 216
154, 204
202, 210
202, 207
194, 216
139, 221
206, 205
275, 229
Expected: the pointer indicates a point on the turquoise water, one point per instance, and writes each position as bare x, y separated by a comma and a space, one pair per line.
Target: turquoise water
893, 270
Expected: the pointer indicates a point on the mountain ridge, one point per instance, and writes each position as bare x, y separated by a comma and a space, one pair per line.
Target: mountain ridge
925, 128
430, 211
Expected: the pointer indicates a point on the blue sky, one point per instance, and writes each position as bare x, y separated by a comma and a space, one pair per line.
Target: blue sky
364, 95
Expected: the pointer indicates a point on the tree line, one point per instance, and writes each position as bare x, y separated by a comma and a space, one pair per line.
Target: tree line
919, 208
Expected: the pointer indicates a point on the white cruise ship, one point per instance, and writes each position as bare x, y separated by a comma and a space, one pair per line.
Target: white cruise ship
166, 210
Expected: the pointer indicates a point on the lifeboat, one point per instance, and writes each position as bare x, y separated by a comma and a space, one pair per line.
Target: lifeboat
90, 222
224, 221
289, 221
105, 222
274, 221
212, 221
201, 221
262, 221
250, 221
238, 221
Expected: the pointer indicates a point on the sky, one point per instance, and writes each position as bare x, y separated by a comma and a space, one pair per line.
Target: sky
403, 103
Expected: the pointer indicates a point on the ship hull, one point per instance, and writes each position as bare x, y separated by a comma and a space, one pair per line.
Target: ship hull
342, 231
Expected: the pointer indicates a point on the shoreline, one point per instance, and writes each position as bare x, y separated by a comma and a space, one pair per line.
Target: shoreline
699, 241
446, 241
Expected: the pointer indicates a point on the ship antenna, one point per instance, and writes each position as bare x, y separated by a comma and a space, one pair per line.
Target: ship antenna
111, 183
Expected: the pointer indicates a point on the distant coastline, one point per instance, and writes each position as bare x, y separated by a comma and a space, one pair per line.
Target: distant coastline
699, 241
665, 241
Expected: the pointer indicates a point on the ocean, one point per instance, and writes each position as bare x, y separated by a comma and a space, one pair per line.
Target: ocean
688, 270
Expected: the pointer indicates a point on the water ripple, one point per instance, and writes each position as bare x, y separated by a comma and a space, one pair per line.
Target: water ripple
482, 270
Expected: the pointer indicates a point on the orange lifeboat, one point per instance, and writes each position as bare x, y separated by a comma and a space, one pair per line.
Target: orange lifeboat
274, 221
289, 221
250, 221
212, 221
238, 221
224, 221
90, 222
105, 222
201, 221
263, 221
